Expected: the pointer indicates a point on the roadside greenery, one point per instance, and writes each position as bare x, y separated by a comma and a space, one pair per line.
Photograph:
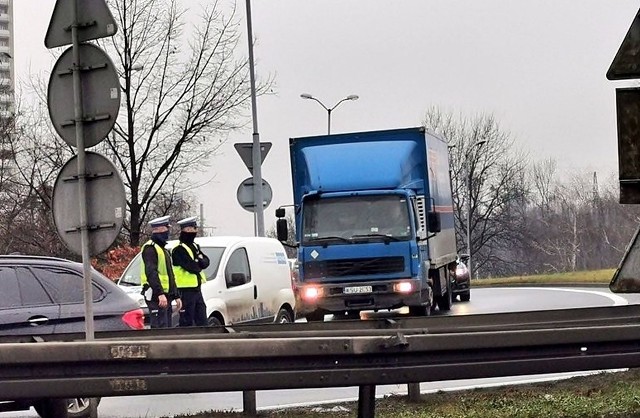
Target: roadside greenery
575, 277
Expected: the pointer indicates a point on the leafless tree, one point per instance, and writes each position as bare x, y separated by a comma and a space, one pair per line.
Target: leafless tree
184, 90
488, 178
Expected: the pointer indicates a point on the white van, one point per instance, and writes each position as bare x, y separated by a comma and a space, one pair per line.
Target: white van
248, 280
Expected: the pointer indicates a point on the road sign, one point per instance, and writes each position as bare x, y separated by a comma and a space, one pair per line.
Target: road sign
94, 18
245, 194
106, 204
245, 150
100, 95
626, 64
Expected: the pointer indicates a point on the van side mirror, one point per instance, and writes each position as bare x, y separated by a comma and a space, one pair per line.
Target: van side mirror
433, 222
282, 229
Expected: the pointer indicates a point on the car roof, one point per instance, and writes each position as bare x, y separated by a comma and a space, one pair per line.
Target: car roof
34, 258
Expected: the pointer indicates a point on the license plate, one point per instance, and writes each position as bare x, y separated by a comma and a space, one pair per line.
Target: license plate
358, 289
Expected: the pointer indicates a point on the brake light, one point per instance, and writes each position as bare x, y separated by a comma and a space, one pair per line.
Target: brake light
134, 319
311, 293
403, 287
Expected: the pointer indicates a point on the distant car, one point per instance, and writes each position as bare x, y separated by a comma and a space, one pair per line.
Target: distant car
45, 295
460, 280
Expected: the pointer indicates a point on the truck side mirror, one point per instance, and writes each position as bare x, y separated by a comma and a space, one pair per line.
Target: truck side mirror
282, 229
433, 222
280, 213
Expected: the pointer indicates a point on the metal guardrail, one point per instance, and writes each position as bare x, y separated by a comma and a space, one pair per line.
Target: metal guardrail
332, 354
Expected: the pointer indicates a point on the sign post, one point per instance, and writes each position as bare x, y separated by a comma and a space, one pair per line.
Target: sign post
88, 66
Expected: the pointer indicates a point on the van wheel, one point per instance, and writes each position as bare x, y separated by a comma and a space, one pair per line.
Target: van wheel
284, 317
214, 321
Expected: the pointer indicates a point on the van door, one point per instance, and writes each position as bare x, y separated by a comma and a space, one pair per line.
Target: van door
241, 291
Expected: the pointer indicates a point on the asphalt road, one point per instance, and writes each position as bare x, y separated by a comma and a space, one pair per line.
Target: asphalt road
483, 300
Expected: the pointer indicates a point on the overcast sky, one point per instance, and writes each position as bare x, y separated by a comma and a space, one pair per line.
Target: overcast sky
538, 66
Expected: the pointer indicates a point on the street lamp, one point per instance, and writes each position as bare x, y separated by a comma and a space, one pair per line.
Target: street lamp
329, 109
469, 190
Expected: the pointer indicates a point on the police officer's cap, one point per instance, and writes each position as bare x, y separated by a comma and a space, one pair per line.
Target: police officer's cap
159, 222
187, 222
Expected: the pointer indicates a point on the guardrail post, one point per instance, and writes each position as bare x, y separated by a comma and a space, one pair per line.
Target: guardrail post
249, 406
413, 390
367, 401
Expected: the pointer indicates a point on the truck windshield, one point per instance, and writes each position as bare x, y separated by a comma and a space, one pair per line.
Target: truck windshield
345, 219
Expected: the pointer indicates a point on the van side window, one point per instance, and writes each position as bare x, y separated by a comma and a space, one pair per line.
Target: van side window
237, 271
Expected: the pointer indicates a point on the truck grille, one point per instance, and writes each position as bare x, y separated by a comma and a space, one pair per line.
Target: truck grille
353, 267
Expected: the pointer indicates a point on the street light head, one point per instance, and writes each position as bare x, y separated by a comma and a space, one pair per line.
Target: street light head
353, 97
481, 143
306, 96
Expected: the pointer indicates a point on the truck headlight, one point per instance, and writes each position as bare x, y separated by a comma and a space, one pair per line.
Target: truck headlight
311, 293
403, 287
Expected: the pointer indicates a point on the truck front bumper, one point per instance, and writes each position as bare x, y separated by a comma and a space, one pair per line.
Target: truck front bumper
360, 296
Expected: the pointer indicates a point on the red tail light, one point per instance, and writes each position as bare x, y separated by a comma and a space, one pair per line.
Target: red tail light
134, 319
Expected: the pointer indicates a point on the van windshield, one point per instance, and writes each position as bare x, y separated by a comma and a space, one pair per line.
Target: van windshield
214, 254
131, 276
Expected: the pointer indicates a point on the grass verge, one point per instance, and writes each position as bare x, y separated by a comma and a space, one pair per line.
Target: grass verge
575, 277
611, 395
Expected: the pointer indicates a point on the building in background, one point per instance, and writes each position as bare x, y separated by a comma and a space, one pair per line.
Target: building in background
6, 61
7, 85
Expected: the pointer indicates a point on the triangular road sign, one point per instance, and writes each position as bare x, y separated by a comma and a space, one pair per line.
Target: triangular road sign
245, 150
626, 63
94, 18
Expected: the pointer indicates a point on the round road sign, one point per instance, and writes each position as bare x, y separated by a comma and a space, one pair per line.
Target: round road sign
106, 204
245, 194
100, 95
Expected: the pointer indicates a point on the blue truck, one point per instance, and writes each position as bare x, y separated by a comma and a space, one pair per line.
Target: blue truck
374, 223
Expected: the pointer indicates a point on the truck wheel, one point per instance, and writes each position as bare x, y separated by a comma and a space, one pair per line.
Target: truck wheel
465, 296
52, 408
419, 310
314, 316
445, 301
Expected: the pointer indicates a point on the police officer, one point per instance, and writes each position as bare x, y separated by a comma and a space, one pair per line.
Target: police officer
158, 282
188, 265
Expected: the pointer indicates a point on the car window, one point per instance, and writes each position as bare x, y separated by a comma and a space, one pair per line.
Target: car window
238, 263
19, 287
31, 291
131, 276
65, 286
214, 254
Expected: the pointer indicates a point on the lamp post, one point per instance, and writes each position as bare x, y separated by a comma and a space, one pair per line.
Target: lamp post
329, 109
469, 190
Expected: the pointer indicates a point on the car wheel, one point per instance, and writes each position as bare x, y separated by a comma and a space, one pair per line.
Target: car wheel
214, 321
52, 408
284, 317
80, 407
465, 296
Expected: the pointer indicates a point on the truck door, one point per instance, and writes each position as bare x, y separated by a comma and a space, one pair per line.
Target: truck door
241, 292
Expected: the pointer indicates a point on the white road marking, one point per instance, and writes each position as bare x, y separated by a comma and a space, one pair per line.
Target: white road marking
617, 300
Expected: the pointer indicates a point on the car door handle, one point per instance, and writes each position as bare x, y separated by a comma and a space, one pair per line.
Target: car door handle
38, 320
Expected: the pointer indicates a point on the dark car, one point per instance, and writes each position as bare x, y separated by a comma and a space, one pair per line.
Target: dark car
45, 295
460, 280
